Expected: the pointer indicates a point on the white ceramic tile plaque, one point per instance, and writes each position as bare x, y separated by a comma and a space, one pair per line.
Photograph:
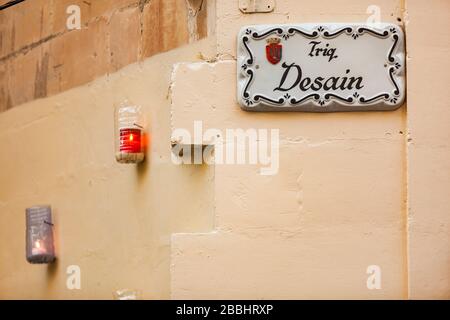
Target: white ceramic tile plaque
321, 67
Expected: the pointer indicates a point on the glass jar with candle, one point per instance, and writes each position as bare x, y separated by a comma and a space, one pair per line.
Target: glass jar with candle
129, 133
39, 235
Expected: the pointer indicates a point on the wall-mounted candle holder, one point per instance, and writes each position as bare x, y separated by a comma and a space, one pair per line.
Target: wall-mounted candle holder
129, 136
39, 235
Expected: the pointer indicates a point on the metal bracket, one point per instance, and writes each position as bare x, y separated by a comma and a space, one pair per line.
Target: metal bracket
256, 6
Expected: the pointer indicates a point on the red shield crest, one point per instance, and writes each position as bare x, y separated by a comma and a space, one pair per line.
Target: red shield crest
273, 50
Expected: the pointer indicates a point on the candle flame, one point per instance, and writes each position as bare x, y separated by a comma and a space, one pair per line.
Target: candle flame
37, 244
131, 137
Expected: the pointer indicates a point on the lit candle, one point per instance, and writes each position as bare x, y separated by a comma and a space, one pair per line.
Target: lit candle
39, 235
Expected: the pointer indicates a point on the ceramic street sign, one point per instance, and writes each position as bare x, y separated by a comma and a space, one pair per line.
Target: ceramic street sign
321, 67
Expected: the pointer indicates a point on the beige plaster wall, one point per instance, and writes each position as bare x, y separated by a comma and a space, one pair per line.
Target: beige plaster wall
336, 206
39, 55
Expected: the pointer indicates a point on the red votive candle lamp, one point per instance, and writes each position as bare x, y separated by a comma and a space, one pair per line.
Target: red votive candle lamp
39, 235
